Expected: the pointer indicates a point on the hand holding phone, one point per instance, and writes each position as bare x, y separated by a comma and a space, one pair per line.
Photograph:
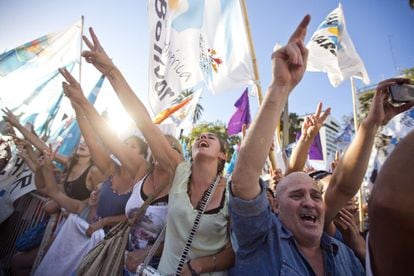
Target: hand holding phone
402, 93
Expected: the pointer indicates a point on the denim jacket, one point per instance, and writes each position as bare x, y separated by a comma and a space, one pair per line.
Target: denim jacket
266, 247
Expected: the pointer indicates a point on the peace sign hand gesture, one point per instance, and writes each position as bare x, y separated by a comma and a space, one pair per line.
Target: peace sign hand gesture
97, 55
313, 123
72, 88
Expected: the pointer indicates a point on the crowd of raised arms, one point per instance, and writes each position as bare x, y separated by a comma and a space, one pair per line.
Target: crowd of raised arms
297, 223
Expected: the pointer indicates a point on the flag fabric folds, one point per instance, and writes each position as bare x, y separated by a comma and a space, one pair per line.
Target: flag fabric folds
241, 116
164, 114
183, 118
193, 43
344, 139
315, 151
400, 125
331, 50
71, 136
41, 107
51, 51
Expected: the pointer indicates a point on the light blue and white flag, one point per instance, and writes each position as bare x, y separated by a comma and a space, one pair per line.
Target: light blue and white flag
48, 52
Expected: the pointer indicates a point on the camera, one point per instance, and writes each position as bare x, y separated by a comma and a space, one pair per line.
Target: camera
402, 93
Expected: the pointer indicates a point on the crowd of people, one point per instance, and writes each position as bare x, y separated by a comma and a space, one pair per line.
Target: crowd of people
299, 223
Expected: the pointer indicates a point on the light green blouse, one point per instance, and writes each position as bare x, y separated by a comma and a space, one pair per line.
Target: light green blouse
211, 235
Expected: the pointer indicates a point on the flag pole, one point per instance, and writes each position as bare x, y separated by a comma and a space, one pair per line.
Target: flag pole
356, 124
80, 53
255, 70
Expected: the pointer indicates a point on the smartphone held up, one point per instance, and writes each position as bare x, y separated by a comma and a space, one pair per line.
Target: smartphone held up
402, 93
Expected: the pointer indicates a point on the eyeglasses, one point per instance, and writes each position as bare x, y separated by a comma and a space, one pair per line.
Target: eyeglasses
318, 175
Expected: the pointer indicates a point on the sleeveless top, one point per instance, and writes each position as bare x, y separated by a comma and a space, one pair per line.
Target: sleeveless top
144, 232
211, 236
77, 188
110, 203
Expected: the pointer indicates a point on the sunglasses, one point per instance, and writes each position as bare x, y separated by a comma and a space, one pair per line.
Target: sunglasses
318, 175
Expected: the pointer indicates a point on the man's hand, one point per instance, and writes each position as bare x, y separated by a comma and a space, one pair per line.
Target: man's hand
289, 62
382, 111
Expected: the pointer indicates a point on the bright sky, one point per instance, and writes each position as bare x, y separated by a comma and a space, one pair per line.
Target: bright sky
382, 32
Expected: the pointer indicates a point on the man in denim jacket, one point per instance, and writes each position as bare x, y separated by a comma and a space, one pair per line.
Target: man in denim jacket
292, 242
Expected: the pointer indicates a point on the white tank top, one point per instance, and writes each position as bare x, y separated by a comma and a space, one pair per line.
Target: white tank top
145, 231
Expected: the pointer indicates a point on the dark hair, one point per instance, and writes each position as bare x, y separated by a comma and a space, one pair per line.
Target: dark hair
143, 146
223, 149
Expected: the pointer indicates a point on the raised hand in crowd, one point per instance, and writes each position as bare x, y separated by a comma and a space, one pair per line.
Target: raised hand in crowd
335, 162
313, 123
275, 177
288, 67
30, 136
350, 171
310, 128
45, 179
72, 88
345, 222
160, 148
382, 110
97, 55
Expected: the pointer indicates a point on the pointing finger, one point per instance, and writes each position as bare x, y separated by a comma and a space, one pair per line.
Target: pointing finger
300, 31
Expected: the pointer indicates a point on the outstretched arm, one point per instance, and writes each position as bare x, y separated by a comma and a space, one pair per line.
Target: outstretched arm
288, 66
391, 212
90, 119
310, 128
167, 157
348, 176
32, 138
46, 183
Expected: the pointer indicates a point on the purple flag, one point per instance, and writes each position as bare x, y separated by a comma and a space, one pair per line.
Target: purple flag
241, 116
315, 151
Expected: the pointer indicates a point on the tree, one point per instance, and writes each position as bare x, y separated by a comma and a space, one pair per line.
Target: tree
409, 73
412, 4
217, 127
199, 108
294, 126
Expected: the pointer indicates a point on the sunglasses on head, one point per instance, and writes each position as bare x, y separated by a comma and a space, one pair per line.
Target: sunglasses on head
318, 175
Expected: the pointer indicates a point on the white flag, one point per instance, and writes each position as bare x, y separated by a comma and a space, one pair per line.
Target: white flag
331, 50
196, 44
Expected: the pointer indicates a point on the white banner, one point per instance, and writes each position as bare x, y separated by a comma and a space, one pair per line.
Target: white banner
16, 180
196, 44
